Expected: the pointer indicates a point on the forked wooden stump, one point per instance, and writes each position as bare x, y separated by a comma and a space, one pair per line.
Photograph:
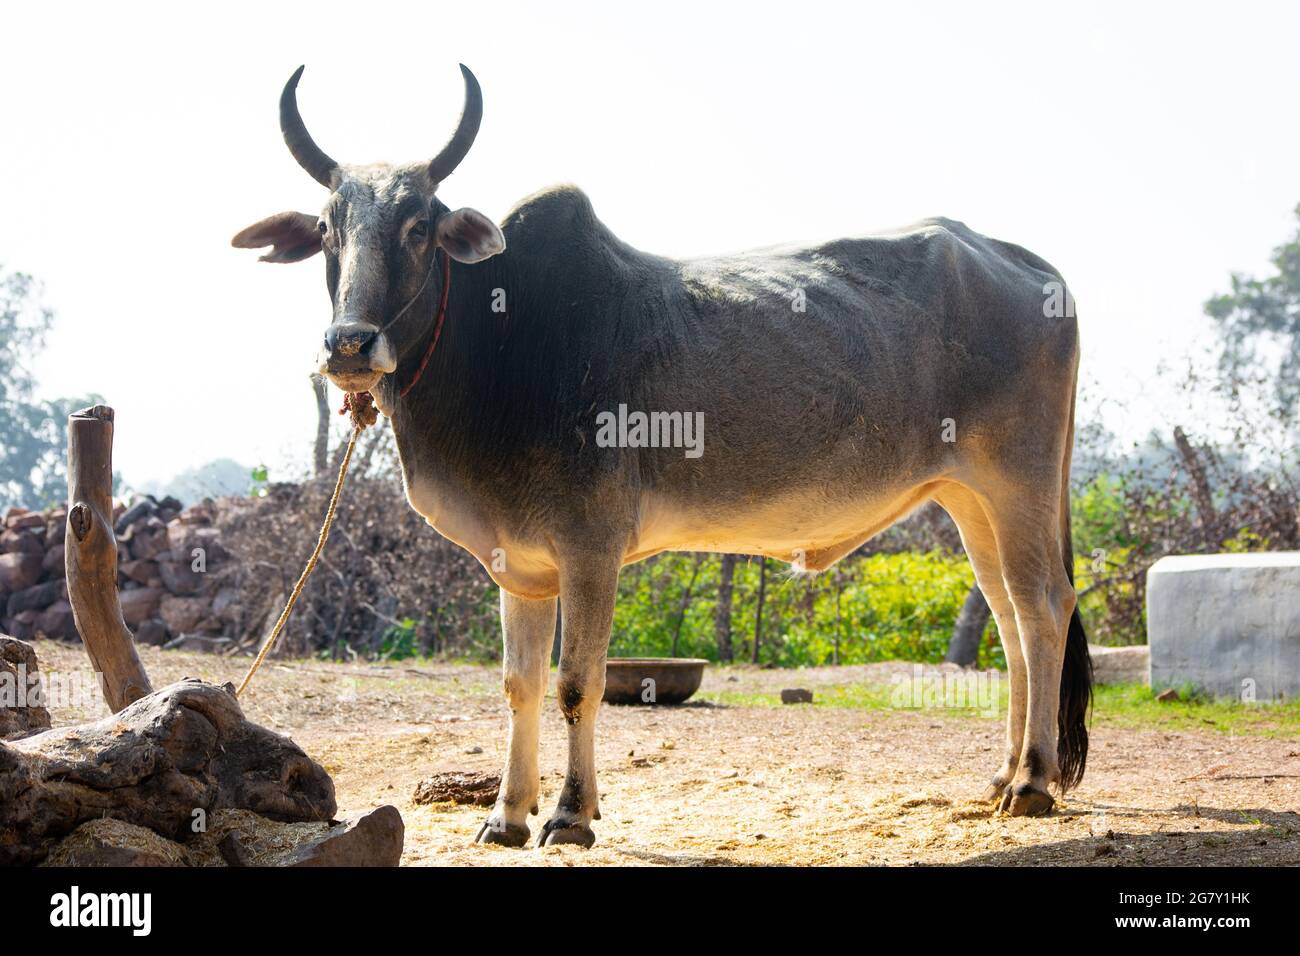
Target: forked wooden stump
91, 558
164, 761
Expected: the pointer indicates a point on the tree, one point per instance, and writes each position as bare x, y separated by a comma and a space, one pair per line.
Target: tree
32, 431
1263, 315
722, 612
321, 450
686, 603
964, 648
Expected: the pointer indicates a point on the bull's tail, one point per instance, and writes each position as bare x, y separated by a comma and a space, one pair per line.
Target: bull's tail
1076, 674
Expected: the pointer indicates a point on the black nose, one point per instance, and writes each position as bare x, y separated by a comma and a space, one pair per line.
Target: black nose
349, 342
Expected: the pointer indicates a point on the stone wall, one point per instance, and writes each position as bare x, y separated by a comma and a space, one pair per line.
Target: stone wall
166, 554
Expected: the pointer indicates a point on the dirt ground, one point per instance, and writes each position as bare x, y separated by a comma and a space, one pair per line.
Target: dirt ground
708, 784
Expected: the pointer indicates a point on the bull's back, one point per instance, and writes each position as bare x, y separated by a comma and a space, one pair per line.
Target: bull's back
844, 359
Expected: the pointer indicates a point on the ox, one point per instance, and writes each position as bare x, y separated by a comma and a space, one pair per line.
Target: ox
926, 364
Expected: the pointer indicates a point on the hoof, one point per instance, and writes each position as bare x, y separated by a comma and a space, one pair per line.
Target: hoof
993, 792
558, 833
1027, 800
500, 833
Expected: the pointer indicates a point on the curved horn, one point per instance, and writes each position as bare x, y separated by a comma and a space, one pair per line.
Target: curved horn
310, 156
442, 165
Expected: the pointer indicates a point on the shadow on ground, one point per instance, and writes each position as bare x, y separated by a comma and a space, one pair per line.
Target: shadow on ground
1265, 838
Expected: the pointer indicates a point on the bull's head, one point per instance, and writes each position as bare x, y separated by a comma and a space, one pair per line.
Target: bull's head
379, 230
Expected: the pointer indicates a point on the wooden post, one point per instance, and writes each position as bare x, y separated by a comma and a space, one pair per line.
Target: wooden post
91, 559
321, 452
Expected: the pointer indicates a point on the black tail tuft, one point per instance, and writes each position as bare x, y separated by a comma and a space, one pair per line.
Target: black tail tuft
1076, 697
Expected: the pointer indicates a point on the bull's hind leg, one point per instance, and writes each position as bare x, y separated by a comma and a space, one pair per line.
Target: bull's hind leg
982, 548
529, 628
588, 587
1026, 523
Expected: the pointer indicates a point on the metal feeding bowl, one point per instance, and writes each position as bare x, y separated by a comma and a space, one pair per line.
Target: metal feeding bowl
652, 680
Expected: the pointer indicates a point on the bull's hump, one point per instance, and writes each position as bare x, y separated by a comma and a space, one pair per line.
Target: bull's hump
560, 205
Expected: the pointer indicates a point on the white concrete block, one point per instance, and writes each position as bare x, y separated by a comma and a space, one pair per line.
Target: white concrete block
1227, 623
1121, 665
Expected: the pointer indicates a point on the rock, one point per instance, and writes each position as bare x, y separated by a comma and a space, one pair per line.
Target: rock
1120, 665
12, 542
183, 533
478, 789
240, 838
1228, 624
141, 571
110, 842
145, 539
56, 527
58, 621
208, 644
796, 695
36, 597
202, 513
182, 614
209, 539
178, 535
53, 564
29, 520
22, 626
141, 509
138, 604
1168, 696
226, 605
366, 839
152, 631
187, 746
19, 570
179, 577
22, 711
232, 850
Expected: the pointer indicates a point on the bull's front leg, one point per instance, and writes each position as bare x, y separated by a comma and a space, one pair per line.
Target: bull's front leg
588, 587
528, 628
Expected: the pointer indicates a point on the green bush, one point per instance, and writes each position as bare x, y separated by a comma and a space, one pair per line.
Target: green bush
890, 606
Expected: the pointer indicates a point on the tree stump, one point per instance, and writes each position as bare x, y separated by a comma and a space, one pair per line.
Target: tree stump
166, 762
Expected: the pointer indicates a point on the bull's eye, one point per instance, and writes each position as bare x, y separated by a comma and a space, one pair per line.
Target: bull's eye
419, 230
322, 227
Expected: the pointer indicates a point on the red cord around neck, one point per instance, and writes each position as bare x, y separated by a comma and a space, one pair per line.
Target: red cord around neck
437, 323
348, 401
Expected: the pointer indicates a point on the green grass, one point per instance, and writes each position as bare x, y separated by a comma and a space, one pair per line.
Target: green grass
1134, 705
1114, 705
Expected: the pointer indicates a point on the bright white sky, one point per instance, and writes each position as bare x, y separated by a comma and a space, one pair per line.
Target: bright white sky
1145, 149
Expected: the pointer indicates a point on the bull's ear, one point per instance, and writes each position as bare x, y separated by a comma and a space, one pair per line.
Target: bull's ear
293, 236
469, 236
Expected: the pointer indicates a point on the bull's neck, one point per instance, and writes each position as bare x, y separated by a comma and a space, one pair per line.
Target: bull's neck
456, 392
533, 339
